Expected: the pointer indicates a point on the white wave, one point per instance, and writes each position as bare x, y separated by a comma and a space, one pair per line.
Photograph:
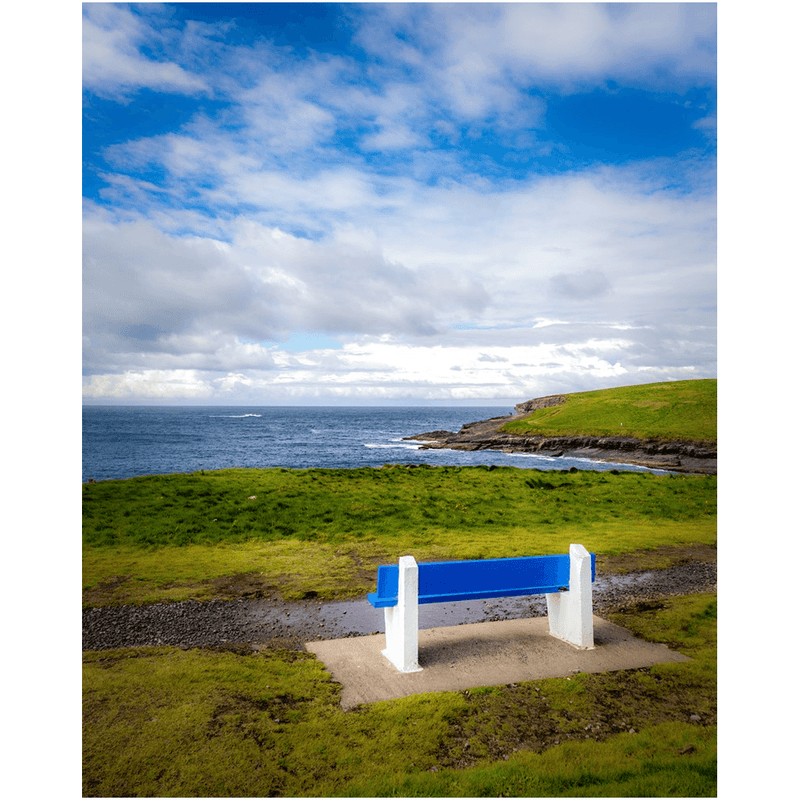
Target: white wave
397, 446
233, 416
581, 459
535, 455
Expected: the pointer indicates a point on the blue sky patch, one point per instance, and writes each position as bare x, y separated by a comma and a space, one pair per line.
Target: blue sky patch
614, 127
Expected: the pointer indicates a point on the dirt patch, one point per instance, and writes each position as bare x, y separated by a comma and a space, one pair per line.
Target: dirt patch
366, 568
658, 558
106, 593
607, 704
247, 584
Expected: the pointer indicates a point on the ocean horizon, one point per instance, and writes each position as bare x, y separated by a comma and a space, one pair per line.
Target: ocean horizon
128, 441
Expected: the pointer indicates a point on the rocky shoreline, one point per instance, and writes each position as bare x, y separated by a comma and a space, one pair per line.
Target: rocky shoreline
676, 456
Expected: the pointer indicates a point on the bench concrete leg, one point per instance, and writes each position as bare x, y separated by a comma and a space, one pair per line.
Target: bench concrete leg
570, 613
402, 642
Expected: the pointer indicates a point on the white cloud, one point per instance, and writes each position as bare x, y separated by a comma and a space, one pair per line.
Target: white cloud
113, 65
150, 383
596, 249
149, 291
281, 117
378, 369
480, 55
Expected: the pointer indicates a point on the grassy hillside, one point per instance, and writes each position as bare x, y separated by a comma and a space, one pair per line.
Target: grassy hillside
676, 410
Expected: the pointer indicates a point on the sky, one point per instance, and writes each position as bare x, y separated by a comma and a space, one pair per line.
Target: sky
369, 204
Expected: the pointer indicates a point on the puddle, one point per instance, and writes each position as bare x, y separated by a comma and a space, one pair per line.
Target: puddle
359, 618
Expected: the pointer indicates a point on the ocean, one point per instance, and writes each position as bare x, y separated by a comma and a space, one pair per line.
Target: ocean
126, 441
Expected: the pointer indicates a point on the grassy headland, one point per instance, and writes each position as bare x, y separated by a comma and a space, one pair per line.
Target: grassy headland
676, 410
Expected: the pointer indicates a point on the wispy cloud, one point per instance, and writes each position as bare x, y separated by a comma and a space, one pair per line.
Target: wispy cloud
120, 55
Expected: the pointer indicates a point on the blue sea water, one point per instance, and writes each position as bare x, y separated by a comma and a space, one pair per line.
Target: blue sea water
125, 441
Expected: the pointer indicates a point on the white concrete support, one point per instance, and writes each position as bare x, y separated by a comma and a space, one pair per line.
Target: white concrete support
402, 642
570, 613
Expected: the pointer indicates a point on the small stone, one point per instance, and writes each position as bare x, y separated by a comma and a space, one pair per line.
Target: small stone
694, 718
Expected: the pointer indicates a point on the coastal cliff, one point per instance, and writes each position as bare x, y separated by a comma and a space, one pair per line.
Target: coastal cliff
676, 456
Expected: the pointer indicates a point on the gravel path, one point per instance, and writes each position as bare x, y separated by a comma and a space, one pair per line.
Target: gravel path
264, 624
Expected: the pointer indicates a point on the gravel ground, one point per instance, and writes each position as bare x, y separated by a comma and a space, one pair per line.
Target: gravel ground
269, 624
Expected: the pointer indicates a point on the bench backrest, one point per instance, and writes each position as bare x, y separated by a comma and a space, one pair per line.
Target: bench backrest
444, 581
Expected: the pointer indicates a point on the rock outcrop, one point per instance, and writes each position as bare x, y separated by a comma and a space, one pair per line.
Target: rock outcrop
529, 406
675, 456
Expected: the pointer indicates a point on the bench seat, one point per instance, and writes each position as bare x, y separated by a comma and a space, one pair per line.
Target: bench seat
450, 581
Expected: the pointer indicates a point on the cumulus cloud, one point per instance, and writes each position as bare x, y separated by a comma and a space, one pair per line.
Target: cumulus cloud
191, 297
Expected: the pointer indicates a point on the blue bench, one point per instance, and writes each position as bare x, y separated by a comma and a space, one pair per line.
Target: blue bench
447, 581
566, 580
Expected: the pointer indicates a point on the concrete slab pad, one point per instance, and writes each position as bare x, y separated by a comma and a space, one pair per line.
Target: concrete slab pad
481, 654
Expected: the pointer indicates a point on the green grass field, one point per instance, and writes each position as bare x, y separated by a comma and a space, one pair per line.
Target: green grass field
162, 722
683, 410
169, 537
